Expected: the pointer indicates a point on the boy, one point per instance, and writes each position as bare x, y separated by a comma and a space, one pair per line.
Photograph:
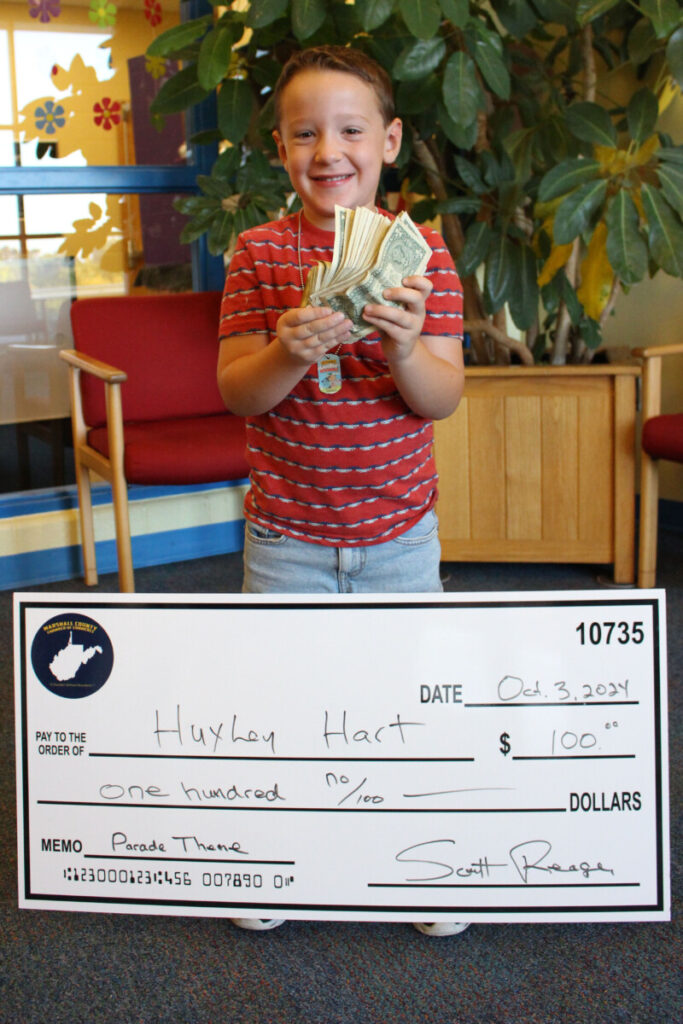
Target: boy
342, 478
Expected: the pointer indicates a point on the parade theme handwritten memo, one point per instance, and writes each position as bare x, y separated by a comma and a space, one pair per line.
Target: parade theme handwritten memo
490, 757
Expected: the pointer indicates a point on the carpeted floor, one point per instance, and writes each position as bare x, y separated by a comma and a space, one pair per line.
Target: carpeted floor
74, 968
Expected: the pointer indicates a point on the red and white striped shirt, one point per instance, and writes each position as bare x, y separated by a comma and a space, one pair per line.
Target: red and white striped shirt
348, 469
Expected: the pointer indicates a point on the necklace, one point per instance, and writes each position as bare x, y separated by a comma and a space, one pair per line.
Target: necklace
329, 365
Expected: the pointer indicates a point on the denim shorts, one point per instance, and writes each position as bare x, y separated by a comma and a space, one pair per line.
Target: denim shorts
276, 564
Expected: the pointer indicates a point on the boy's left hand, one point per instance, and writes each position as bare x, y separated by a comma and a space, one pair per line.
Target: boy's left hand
401, 327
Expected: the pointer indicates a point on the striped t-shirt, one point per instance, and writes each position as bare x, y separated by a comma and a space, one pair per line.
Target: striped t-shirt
347, 469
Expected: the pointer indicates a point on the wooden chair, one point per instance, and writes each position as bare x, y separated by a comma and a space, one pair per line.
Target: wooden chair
167, 425
662, 438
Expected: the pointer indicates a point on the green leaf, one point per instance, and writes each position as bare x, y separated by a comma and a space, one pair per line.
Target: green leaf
516, 16
571, 299
470, 175
477, 239
487, 49
665, 232
423, 210
461, 91
215, 55
590, 331
664, 14
234, 109
265, 12
520, 147
626, 248
500, 270
457, 11
346, 23
671, 154
458, 204
591, 123
495, 172
199, 224
462, 136
422, 17
416, 97
674, 55
553, 140
510, 195
374, 13
609, 52
227, 164
642, 42
265, 71
589, 10
562, 12
213, 187
671, 180
195, 206
178, 93
567, 176
307, 17
551, 296
574, 213
418, 59
205, 138
523, 299
220, 232
266, 122
641, 114
178, 37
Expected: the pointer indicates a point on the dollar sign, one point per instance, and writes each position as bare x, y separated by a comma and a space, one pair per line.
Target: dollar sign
505, 743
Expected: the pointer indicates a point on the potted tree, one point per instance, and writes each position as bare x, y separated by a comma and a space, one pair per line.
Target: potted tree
532, 133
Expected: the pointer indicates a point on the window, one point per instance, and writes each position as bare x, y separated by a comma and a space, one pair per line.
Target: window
77, 215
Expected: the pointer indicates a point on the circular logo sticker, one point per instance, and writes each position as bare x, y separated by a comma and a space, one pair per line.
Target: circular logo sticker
72, 655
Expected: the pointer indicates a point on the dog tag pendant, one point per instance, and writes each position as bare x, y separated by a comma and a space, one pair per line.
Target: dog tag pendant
329, 374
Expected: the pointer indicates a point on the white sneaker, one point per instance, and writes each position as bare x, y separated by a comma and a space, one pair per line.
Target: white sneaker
256, 924
440, 928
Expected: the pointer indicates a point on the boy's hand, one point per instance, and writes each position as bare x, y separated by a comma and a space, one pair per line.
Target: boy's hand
400, 327
309, 332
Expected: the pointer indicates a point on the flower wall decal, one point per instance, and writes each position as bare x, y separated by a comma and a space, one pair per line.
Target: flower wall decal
102, 13
49, 117
156, 66
153, 12
44, 10
107, 113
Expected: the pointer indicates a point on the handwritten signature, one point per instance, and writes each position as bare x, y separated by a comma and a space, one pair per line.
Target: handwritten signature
531, 860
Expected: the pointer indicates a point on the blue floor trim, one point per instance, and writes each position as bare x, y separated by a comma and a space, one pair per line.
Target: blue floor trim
31, 568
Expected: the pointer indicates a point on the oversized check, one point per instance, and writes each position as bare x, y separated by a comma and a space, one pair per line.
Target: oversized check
491, 757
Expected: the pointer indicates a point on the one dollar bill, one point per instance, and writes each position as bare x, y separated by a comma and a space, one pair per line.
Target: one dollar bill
371, 253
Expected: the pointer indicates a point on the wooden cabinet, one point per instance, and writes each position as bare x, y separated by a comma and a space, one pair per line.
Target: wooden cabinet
538, 465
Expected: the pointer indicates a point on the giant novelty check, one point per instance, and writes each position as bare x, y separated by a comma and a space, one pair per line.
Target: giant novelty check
491, 757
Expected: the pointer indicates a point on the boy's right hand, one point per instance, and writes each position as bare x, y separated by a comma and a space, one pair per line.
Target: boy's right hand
309, 332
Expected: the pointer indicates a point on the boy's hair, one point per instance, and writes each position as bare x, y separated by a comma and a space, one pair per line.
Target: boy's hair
338, 58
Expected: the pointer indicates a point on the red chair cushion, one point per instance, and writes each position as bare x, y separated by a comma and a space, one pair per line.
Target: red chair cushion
663, 437
188, 451
168, 346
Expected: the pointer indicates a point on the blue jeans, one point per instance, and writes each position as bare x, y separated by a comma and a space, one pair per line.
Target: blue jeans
276, 564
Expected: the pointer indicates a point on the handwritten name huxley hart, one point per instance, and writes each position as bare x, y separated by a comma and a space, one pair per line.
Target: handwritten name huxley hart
336, 728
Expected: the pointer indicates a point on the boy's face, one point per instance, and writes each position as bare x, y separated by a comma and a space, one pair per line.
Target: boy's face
333, 141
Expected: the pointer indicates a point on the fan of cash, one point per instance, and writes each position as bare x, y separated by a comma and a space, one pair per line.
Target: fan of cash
371, 253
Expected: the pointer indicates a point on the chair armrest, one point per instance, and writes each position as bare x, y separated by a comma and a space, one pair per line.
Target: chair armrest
652, 375
109, 374
112, 378
654, 351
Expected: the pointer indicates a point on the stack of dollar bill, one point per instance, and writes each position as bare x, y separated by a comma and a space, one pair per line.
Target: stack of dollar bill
371, 253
